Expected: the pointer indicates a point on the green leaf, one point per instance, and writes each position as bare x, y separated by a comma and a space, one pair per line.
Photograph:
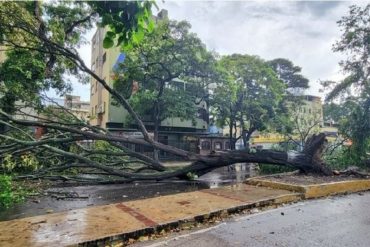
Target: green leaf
120, 40
150, 25
111, 34
107, 42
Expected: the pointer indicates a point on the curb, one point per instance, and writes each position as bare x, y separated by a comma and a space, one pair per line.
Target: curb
316, 190
191, 221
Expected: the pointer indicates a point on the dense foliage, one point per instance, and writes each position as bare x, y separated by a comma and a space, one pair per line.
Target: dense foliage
352, 112
248, 95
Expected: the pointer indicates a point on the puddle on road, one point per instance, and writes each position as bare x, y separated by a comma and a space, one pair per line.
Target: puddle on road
225, 175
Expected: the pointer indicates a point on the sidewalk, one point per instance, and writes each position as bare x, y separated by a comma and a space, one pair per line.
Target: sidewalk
114, 223
104, 224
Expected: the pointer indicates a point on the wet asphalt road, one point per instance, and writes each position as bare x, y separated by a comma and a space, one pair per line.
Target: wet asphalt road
95, 195
336, 221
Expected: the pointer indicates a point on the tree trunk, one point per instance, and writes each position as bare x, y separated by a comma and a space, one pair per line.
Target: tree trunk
156, 137
232, 143
246, 137
156, 151
307, 161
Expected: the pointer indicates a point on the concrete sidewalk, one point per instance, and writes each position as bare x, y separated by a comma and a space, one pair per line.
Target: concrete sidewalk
110, 223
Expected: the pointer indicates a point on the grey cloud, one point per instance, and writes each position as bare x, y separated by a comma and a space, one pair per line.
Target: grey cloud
317, 8
300, 31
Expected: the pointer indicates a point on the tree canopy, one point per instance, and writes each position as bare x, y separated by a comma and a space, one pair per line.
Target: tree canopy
355, 44
249, 94
289, 74
354, 89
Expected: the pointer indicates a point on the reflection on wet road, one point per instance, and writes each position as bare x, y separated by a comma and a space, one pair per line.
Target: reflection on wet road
225, 175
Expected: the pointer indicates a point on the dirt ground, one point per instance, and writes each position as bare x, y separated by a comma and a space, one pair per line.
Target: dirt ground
310, 179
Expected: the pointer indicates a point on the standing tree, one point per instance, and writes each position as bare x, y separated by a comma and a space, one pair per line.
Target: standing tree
289, 119
172, 68
249, 96
355, 88
338, 112
289, 74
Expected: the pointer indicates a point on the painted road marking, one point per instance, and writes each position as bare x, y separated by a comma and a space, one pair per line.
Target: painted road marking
136, 215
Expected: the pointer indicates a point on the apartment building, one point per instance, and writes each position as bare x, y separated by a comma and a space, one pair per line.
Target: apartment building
79, 108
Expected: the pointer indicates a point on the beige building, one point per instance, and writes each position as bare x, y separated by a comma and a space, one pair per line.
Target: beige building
79, 108
309, 113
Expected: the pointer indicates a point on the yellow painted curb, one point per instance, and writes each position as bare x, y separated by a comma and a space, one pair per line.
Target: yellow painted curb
275, 185
316, 190
288, 198
320, 190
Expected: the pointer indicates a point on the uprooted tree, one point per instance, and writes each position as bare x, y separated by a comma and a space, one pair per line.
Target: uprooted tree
40, 42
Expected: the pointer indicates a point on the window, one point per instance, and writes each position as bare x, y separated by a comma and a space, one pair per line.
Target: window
92, 111
94, 42
96, 86
206, 145
97, 40
227, 145
104, 58
218, 146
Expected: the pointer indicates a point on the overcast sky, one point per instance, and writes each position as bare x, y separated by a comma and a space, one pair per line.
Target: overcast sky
303, 32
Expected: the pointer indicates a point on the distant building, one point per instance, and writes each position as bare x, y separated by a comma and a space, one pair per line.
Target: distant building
79, 108
309, 112
71, 104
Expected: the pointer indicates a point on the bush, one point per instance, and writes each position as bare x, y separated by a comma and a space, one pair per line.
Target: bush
273, 169
9, 192
25, 163
343, 157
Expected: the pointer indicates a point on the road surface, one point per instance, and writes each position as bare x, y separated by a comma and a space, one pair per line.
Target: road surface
336, 221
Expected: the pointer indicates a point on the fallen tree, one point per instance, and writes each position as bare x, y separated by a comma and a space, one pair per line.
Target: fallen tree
119, 161
75, 146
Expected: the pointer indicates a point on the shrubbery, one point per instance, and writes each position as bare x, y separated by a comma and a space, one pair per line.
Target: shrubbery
9, 192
